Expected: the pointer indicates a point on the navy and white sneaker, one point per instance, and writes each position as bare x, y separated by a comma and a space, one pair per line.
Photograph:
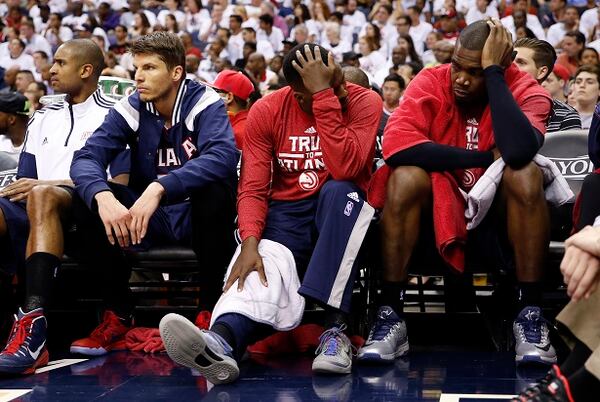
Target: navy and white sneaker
205, 351
387, 340
334, 354
26, 347
532, 341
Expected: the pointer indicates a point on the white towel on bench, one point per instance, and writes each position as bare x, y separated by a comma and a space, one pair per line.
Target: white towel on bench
279, 304
480, 198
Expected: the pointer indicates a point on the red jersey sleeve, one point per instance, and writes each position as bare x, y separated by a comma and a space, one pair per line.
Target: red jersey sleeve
537, 109
255, 178
348, 146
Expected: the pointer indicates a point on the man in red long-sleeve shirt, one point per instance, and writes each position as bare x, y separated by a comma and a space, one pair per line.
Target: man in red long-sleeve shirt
307, 158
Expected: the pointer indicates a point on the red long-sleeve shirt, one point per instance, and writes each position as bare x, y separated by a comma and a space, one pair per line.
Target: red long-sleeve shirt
304, 150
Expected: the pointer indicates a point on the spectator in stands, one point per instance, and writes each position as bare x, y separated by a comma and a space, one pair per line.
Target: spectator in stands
392, 88
247, 50
409, 70
589, 55
262, 46
44, 183
10, 77
108, 18
406, 43
300, 34
121, 44
521, 17
140, 27
371, 59
14, 114
482, 10
186, 187
381, 17
443, 51
195, 13
402, 25
40, 21
353, 17
17, 57
418, 29
113, 69
56, 34
557, 9
449, 26
556, 83
235, 89
276, 64
34, 92
256, 68
464, 116
351, 59
134, 7
569, 22
209, 27
192, 66
75, 16
587, 92
171, 24
172, 8
430, 41
332, 41
536, 58
215, 49
22, 81
236, 42
524, 32
572, 44
269, 33
307, 205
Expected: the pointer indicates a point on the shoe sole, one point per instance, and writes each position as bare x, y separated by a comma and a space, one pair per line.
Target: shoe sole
372, 357
325, 367
528, 359
184, 343
41, 361
87, 351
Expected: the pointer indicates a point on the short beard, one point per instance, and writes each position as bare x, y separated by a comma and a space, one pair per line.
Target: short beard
154, 99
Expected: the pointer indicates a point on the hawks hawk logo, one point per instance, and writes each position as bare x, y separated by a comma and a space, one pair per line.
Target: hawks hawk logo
308, 180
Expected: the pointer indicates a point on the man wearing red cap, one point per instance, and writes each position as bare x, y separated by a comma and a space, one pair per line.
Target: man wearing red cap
235, 89
556, 83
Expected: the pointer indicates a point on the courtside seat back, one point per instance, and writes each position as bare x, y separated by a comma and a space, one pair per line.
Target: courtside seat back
569, 151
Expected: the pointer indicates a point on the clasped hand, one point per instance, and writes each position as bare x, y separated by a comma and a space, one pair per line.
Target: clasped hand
128, 226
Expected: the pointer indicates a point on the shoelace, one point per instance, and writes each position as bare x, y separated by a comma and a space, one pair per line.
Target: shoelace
532, 329
329, 341
20, 331
381, 328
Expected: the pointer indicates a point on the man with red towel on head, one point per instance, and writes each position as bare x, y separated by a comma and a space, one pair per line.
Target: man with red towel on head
453, 122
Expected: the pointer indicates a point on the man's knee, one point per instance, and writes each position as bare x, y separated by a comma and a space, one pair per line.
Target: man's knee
46, 199
408, 185
334, 187
525, 184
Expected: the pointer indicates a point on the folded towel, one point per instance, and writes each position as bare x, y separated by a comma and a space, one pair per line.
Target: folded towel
481, 196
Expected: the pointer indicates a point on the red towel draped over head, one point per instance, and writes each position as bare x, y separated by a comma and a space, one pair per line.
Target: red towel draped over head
428, 113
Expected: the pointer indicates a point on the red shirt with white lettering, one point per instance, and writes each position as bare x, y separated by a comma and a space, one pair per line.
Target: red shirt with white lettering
304, 150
